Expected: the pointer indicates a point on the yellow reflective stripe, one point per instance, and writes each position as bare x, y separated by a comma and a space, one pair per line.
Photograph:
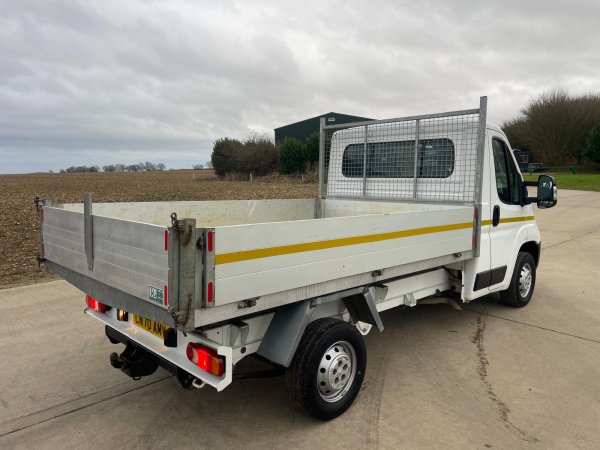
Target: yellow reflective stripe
509, 220
517, 219
226, 258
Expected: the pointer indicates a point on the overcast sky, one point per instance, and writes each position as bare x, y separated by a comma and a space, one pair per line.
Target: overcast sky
98, 82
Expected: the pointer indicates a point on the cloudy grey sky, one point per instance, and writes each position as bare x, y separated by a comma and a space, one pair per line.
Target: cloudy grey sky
98, 82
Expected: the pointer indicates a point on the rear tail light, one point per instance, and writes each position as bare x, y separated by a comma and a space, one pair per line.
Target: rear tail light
205, 358
95, 304
210, 292
210, 241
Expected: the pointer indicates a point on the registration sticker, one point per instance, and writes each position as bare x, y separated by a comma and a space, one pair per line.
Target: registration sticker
156, 295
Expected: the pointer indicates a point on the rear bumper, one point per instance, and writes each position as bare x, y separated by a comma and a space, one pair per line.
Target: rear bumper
169, 357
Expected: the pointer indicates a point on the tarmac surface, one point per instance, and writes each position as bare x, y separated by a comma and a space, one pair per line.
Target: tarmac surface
485, 377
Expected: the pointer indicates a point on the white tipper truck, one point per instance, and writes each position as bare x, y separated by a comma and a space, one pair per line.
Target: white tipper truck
408, 209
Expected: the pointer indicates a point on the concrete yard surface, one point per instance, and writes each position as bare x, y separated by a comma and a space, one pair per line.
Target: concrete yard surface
485, 377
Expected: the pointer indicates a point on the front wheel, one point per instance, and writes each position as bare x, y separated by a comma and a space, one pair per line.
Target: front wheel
328, 369
522, 282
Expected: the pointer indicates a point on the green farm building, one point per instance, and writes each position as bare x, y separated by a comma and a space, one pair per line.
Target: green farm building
301, 130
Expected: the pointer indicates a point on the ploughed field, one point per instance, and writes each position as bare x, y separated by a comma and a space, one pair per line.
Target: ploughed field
19, 220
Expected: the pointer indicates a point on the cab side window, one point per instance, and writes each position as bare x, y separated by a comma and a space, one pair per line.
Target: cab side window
508, 179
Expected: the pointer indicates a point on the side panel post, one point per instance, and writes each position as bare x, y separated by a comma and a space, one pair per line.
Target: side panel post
182, 272
481, 128
416, 168
322, 158
88, 229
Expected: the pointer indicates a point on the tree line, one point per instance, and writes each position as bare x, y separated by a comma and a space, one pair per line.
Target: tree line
559, 128
139, 167
259, 155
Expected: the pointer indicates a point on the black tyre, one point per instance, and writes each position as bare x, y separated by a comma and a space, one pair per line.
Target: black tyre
328, 369
522, 282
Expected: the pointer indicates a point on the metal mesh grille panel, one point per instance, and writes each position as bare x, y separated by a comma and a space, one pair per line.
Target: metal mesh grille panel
427, 158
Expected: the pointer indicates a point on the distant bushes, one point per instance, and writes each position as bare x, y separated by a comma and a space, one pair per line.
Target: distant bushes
257, 155
74, 169
139, 167
296, 156
291, 156
311, 148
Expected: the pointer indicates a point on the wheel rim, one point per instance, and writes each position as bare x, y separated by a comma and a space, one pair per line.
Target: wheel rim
525, 280
336, 371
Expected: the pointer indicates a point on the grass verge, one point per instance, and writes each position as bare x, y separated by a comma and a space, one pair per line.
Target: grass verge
582, 182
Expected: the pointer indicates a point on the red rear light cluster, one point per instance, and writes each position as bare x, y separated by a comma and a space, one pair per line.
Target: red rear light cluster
210, 247
210, 241
210, 292
206, 358
95, 304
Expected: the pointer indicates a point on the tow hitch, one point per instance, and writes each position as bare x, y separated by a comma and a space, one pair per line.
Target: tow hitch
134, 361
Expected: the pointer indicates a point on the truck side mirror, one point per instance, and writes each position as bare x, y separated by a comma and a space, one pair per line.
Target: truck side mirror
547, 193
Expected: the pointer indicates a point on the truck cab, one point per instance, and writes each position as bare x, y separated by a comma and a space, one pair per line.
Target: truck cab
453, 163
508, 226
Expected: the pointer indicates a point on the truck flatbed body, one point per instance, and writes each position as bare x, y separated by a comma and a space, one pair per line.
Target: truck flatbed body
259, 248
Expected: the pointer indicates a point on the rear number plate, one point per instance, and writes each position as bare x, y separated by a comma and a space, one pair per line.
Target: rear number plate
156, 328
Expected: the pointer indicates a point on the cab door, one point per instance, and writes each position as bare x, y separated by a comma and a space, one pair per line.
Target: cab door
507, 215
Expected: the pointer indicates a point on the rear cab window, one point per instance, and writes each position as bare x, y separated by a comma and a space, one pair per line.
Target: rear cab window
396, 159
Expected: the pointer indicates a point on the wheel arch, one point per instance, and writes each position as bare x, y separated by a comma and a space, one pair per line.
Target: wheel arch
534, 248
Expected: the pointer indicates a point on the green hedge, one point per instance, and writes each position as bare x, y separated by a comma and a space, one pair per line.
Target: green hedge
296, 156
256, 155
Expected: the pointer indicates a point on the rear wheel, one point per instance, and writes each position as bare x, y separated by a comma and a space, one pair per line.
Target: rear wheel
328, 369
522, 282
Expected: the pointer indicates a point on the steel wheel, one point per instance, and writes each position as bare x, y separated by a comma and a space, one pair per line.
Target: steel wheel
525, 279
328, 368
522, 282
337, 370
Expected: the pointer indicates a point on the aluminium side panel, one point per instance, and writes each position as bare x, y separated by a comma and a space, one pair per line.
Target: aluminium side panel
128, 256
260, 259
207, 213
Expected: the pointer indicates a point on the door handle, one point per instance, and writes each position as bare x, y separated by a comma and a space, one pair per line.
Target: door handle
496, 216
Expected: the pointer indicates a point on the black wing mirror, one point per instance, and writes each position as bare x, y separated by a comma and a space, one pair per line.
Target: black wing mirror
547, 192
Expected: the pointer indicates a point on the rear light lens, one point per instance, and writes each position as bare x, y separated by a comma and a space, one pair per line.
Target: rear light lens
210, 292
206, 358
95, 304
210, 241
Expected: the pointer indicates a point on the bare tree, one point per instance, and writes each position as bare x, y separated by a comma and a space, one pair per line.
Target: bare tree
558, 124
516, 131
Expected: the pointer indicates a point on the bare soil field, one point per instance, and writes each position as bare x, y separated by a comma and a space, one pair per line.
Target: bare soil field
19, 221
